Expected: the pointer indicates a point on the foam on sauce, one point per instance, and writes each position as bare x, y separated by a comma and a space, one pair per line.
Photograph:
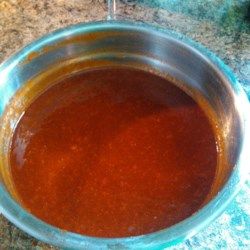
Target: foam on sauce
113, 153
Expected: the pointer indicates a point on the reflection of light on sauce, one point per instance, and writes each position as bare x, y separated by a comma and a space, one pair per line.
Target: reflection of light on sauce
19, 151
118, 152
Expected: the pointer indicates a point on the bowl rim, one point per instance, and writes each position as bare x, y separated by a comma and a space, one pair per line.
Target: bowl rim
165, 237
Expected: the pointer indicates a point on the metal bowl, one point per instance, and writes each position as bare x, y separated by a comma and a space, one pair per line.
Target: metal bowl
194, 69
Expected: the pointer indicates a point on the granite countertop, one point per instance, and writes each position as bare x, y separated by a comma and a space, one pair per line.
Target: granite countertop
223, 26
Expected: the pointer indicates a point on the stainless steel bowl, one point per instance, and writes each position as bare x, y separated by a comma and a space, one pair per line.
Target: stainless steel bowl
194, 69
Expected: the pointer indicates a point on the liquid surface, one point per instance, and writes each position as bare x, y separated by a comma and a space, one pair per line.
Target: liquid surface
112, 153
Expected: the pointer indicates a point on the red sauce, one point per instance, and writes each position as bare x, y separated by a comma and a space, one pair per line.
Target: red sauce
113, 152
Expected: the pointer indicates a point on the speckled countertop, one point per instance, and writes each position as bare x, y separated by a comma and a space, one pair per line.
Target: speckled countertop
223, 26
